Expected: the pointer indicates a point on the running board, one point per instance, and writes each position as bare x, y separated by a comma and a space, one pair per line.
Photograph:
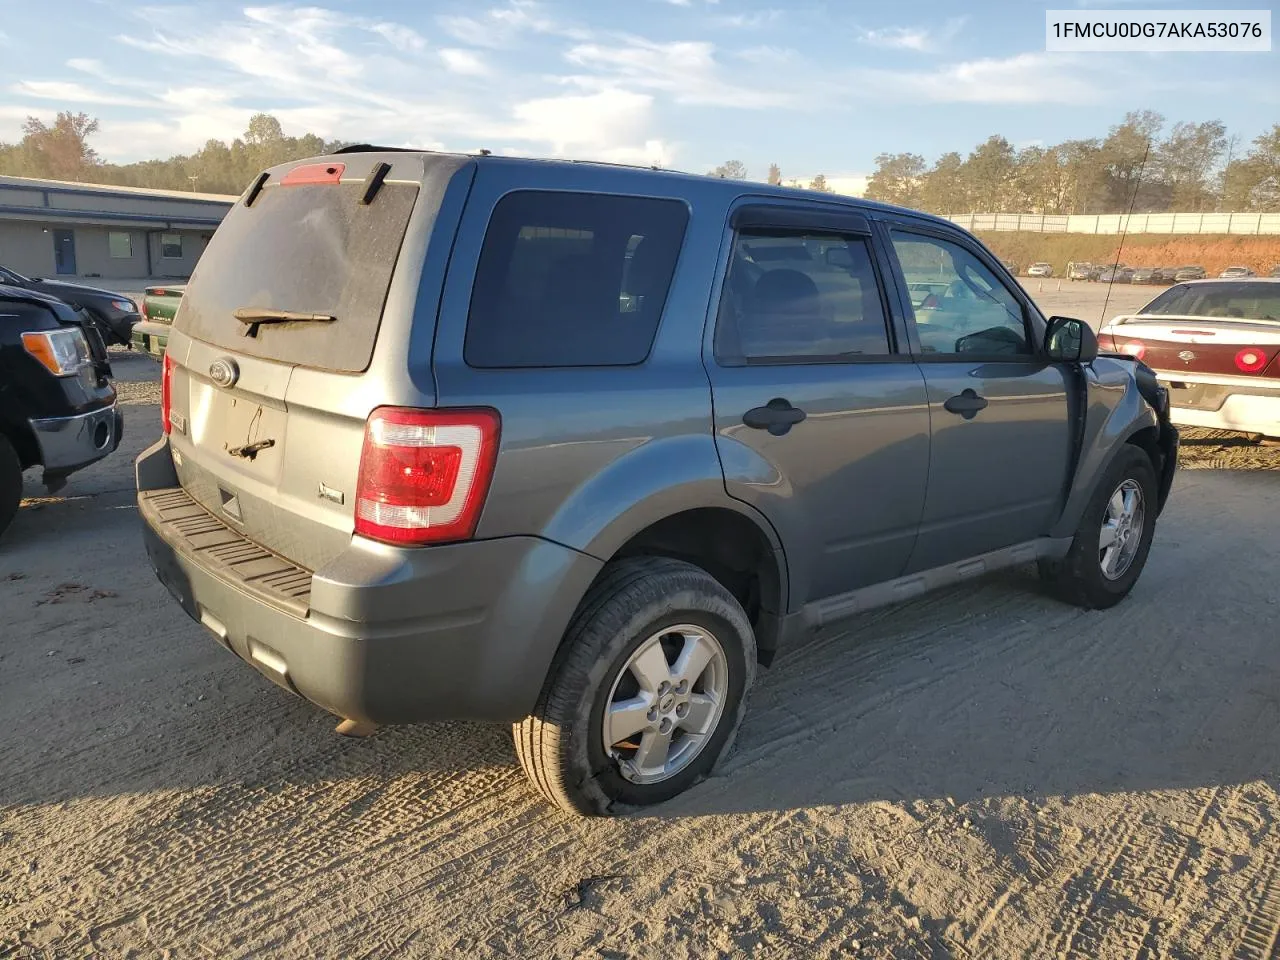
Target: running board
831, 610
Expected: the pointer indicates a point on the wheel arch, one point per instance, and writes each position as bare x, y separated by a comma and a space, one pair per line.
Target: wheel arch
667, 498
1116, 416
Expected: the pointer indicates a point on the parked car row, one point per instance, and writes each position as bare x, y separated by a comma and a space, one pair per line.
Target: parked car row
1121, 273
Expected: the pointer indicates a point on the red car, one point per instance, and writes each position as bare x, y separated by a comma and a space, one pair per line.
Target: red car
1215, 344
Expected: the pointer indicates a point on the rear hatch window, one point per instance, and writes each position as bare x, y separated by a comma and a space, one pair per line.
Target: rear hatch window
309, 252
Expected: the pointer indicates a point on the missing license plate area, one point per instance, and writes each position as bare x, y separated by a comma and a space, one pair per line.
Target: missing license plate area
1197, 396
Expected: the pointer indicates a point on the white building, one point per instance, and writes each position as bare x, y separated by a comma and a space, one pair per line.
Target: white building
50, 228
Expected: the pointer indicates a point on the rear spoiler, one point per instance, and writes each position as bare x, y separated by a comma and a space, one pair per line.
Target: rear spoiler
1186, 318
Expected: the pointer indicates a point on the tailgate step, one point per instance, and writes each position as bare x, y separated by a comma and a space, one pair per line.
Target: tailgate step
225, 552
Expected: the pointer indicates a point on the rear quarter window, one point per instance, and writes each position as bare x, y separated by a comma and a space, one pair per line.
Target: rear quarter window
572, 279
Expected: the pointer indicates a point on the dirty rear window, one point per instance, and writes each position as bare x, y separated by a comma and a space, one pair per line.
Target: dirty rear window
305, 249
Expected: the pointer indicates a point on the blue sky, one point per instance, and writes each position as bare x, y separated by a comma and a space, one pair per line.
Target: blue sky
813, 86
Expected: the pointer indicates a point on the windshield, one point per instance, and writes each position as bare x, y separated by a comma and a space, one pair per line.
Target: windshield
8, 276
1246, 301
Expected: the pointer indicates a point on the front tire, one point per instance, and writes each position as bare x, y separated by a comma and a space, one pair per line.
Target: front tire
646, 693
1114, 536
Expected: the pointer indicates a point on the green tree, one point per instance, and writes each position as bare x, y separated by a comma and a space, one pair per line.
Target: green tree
1253, 183
1187, 158
819, 183
898, 178
1126, 163
59, 151
988, 175
943, 189
775, 174
731, 170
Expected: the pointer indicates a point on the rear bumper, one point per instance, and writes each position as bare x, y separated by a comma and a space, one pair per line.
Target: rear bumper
68, 444
383, 634
1223, 403
151, 338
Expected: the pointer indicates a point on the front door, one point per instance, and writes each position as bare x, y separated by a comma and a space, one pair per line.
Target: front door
1000, 426
821, 422
64, 251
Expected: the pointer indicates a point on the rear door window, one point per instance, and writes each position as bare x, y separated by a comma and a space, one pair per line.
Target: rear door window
307, 250
572, 279
795, 297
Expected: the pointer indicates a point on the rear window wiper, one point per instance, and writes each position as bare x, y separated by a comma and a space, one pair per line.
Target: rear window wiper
254, 317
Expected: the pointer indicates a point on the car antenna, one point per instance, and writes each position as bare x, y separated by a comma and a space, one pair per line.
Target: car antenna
1124, 232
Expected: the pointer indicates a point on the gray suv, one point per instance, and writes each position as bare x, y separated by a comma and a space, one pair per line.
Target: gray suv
575, 447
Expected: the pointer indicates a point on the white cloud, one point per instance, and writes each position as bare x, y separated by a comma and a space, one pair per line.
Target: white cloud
687, 71
919, 39
464, 62
576, 121
74, 94
749, 21
1025, 78
403, 38
500, 27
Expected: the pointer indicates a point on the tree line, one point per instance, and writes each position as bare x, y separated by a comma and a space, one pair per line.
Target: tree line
61, 151
1141, 163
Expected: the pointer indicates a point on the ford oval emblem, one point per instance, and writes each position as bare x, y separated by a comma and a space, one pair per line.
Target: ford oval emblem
224, 372
1186, 356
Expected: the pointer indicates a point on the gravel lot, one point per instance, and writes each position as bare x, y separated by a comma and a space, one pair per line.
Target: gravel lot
983, 773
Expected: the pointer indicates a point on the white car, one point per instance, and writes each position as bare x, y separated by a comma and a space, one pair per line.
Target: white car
1040, 270
1236, 273
1215, 344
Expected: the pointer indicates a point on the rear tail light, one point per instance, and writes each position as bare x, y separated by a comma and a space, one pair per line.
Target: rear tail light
1251, 360
142, 308
1135, 348
424, 474
166, 392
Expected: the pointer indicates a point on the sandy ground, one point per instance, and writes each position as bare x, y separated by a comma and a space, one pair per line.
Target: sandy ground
984, 773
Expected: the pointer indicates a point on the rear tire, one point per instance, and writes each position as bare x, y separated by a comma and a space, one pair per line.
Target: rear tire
10, 483
640, 607
1097, 575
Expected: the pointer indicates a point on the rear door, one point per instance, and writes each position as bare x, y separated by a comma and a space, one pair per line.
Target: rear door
821, 420
999, 412
268, 416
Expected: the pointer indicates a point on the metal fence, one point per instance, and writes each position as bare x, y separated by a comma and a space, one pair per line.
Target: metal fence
1247, 224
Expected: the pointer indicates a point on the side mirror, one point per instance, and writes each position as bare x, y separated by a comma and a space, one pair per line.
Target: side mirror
1070, 341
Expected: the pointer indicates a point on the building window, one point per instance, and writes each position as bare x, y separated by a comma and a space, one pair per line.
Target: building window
120, 245
171, 246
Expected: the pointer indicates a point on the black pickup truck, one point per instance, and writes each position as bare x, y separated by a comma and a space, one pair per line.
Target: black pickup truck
57, 404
